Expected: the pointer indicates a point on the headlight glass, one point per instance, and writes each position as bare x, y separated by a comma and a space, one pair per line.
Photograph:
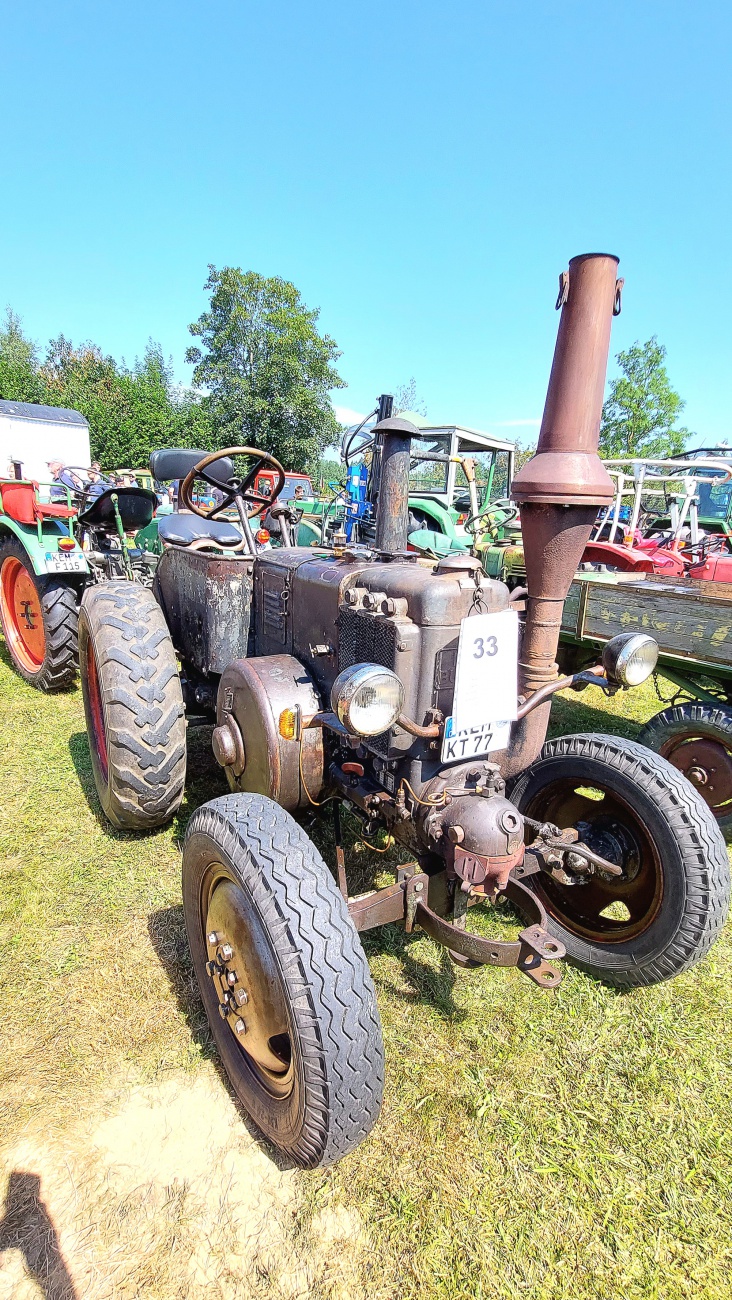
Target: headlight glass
630, 658
367, 699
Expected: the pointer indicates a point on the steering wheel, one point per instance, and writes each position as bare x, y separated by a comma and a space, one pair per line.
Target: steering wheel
479, 523
236, 489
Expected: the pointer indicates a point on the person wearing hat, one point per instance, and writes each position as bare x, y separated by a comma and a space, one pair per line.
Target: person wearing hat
65, 478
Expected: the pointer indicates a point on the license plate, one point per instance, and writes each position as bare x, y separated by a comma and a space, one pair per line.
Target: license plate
473, 742
60, 563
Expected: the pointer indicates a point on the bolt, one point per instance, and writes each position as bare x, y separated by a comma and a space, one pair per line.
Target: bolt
455, 834
226, 952
419, 886
389, 606
231, 978
213, 968
242, 997
212, 938
223, 1010
240, 1027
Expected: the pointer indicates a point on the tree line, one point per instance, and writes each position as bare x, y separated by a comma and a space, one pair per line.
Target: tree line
263, 376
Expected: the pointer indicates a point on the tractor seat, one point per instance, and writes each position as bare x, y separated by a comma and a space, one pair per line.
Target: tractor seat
181, 530
177, 462
20, 501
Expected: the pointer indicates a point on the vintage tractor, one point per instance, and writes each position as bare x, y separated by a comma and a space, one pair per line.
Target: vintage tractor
367, 677
50, 550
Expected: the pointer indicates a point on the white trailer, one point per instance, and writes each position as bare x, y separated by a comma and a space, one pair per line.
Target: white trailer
32, 435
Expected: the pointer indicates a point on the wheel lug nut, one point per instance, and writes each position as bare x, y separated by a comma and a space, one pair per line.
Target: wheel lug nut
226, 952
212, 938
242, 997
240, 1027
211, 968
231, 978
223, 1010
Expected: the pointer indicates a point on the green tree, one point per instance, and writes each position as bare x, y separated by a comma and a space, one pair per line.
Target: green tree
328, 471
19, 378
642, 407
267, 370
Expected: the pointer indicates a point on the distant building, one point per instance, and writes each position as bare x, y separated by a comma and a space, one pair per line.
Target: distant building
31, 435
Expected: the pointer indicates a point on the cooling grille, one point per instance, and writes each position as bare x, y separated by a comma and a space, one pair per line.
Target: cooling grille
366, 639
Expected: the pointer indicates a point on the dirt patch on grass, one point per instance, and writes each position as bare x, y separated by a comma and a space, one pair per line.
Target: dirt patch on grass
167, 1195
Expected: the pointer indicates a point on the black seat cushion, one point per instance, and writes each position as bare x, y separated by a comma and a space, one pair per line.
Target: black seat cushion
181, 530
177, 462
136, 508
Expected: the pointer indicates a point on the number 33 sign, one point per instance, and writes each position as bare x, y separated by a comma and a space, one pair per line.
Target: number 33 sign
486, 681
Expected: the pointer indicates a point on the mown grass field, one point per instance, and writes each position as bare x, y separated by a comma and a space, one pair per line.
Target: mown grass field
566, 1145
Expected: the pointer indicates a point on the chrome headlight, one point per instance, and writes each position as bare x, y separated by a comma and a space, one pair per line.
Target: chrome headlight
367, 699
630, 658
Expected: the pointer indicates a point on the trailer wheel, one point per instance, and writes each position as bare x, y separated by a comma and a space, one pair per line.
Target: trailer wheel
133, 704
39, 621
697, 739
633, 808
283, 978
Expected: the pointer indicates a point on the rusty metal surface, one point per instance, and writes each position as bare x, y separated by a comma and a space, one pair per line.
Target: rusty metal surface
392, 516
561, 487
252, 694
207, 601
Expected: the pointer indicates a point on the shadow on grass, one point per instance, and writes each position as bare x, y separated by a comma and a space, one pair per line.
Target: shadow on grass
167, 931
28, 1227
427, 986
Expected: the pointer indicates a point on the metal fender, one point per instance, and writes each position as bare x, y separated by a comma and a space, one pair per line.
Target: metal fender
41, 554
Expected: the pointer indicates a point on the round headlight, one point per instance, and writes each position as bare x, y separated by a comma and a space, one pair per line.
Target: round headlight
630, 658
367, 699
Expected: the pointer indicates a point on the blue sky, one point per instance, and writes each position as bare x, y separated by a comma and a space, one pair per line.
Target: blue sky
422, 172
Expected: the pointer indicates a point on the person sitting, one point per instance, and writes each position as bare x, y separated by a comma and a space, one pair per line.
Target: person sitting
64, 478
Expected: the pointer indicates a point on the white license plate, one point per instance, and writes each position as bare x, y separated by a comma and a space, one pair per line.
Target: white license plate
473, 742
64, 563
486, 674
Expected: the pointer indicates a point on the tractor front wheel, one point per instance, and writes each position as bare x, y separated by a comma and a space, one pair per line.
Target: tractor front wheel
133, 704
665, 910
283, 978
39, 620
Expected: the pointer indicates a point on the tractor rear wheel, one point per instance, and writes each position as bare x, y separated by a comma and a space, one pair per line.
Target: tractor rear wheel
133, 704
637, 811
696, 738
39, 620
283, 978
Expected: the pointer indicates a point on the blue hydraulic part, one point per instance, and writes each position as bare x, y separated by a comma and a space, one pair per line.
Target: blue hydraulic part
357, 507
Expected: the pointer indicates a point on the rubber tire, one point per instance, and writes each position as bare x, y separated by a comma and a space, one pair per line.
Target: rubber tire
694, 858
59, 601
142, 704
682, 719
335, 1029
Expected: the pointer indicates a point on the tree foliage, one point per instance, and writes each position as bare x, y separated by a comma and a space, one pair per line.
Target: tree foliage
131, 412
406, 398
267, 370
642, 408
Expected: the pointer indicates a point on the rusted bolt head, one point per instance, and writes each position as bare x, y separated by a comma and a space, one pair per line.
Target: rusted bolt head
223, 745
368, 601
351, 596
510, 821
240, 1027
455, 834
418, 886
389, 605
697, 775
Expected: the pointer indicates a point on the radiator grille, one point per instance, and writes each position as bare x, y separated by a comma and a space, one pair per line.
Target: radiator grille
365, 639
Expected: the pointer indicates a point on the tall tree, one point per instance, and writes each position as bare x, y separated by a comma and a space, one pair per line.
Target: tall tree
19, 378
642, 407
267, 369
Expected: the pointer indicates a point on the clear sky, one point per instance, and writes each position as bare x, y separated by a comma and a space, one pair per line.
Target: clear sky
422, 172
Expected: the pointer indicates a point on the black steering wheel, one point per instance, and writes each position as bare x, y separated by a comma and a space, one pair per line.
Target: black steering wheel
235, 488
504, 507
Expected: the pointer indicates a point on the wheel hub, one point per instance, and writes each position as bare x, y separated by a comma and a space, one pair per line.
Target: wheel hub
22, 615
242, 968
707, 762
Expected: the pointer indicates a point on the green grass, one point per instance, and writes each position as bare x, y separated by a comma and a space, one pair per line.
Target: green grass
569, 1144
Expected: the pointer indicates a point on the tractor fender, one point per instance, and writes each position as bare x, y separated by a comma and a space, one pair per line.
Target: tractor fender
435, 511
40, 554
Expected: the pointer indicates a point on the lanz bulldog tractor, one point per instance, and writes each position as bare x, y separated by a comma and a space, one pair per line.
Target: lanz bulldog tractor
407, 691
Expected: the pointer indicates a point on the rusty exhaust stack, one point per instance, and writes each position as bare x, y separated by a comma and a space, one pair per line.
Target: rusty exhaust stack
392, 506
561, 488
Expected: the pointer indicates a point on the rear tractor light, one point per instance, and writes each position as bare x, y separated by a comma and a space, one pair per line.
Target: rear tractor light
66, 544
